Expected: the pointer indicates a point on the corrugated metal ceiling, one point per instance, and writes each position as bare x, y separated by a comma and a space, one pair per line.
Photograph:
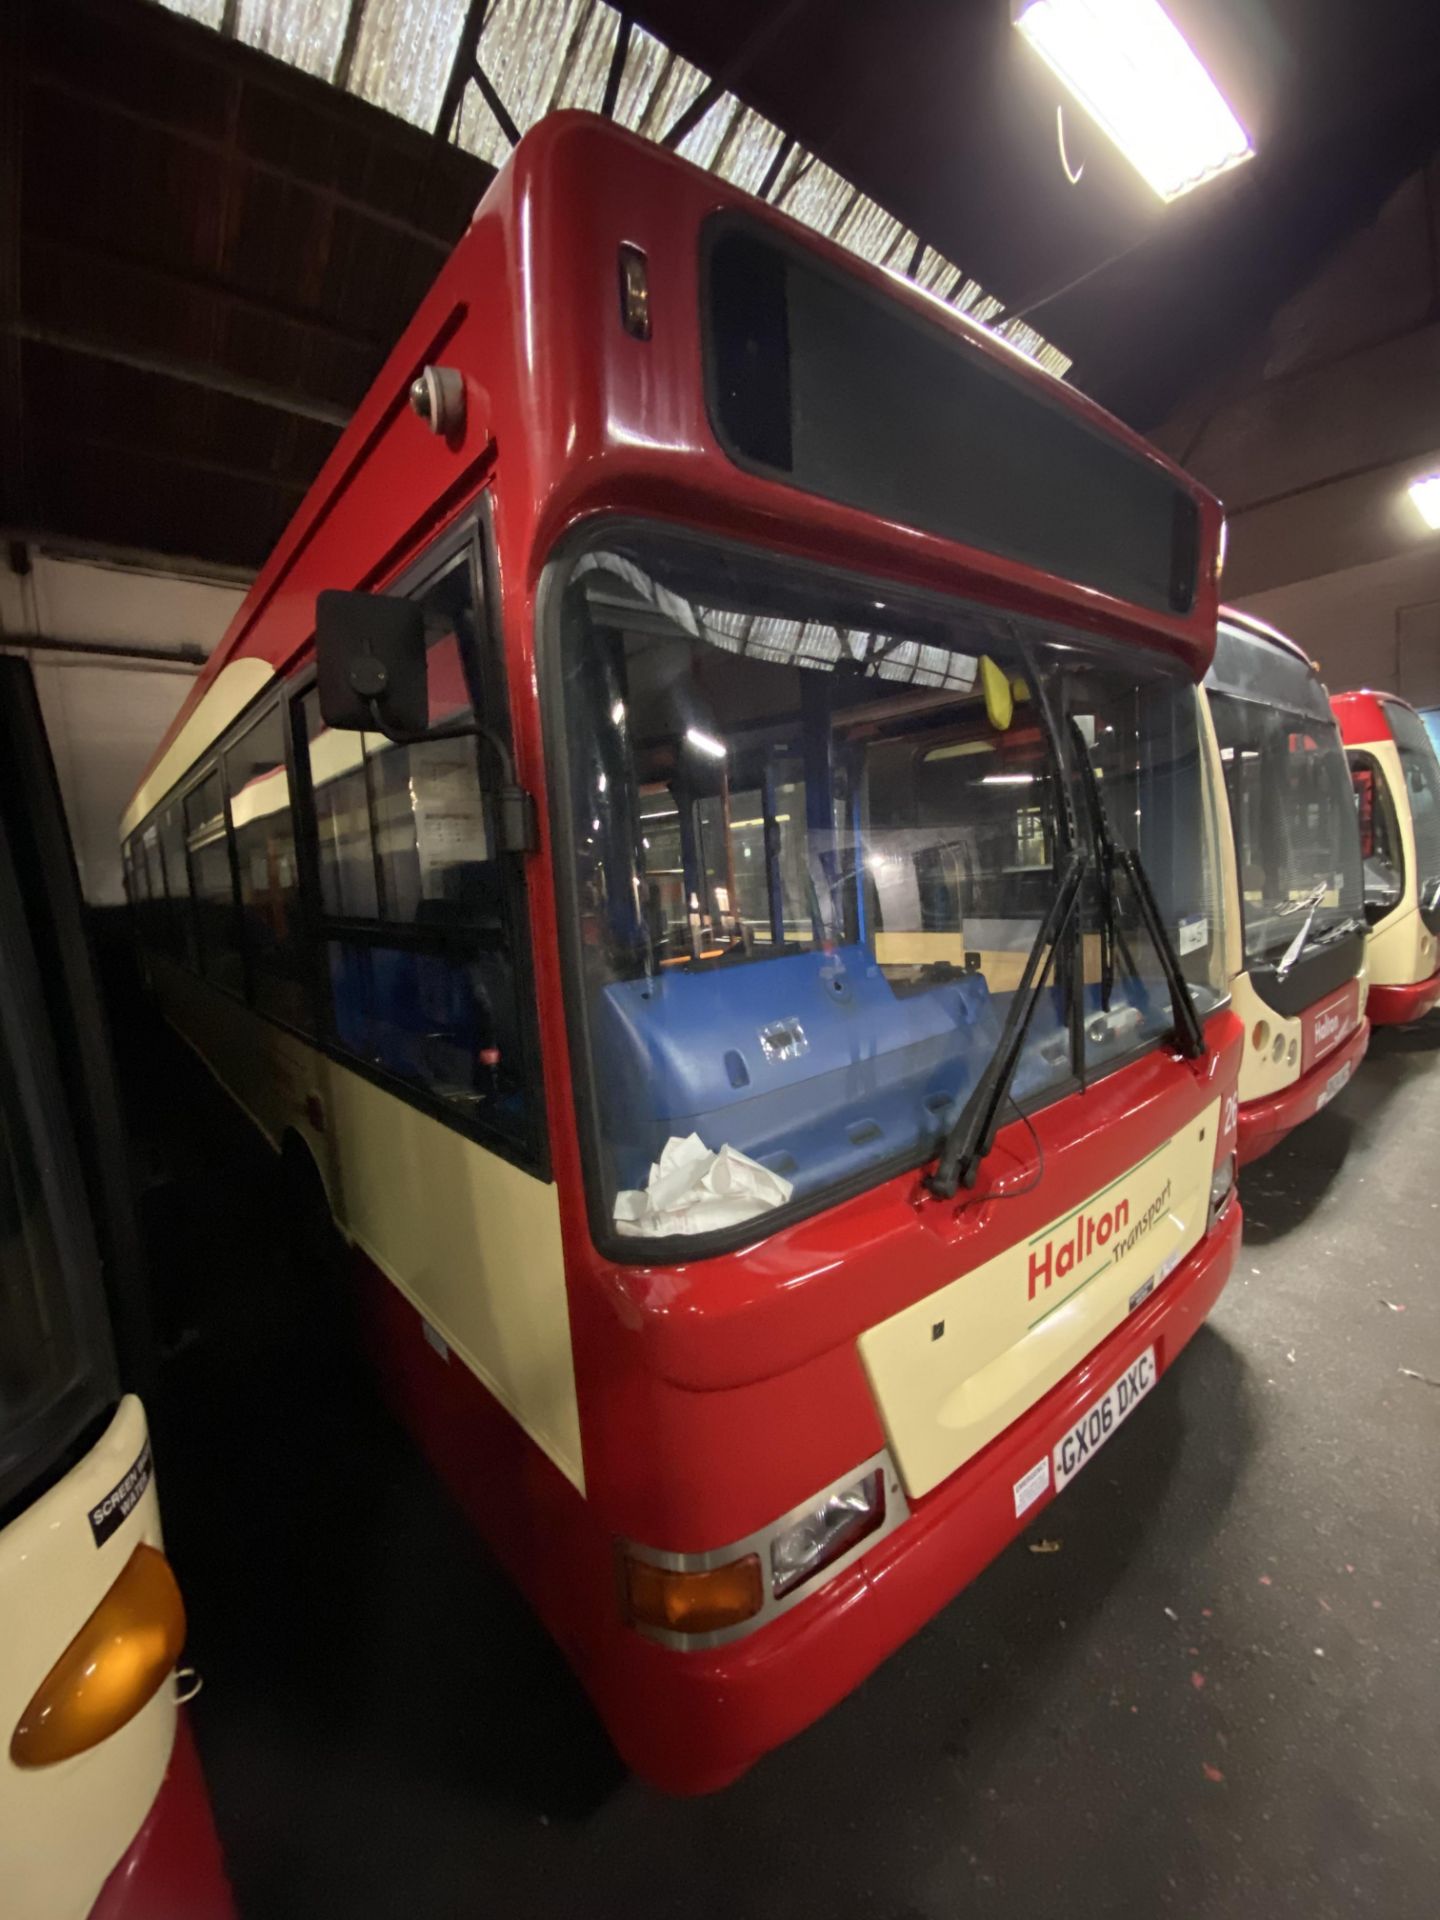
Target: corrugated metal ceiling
539, 56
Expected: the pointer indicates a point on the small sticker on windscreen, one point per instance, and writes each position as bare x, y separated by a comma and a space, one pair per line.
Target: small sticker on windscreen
115, 1509
1194, 932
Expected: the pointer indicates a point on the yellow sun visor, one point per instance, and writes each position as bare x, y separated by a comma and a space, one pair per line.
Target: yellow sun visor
999, 695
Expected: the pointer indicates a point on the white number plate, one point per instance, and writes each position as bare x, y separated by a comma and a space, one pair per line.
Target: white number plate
1334, 1084
1095, 1426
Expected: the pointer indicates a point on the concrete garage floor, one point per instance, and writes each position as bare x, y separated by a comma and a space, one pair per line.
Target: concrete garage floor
1219, 1697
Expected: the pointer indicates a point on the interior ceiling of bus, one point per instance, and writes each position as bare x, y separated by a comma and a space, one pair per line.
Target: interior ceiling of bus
221, 222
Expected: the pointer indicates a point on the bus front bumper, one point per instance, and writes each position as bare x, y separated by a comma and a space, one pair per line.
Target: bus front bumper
691, 1722
1263, 1124
172, 1869
1398, 1006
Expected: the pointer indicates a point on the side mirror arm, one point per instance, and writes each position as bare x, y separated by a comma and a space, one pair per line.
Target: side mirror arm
517, 825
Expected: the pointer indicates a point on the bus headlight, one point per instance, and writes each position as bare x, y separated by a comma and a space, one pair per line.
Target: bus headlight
704, 1599
1222, 1185
827, 1531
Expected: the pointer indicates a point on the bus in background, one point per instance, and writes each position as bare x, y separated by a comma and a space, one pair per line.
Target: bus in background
1396, 778
103, 1810
734, 923
1294, 893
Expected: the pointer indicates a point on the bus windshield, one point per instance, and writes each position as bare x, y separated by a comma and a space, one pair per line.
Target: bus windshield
56, 1365
1422, 790
40, 1349
1291, 802
815, 829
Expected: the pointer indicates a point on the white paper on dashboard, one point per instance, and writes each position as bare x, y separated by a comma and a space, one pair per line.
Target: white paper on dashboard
692, 1190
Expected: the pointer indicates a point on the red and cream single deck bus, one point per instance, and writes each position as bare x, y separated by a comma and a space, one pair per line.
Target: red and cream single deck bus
1397, 796
1293, 888
103, 1810
735, 926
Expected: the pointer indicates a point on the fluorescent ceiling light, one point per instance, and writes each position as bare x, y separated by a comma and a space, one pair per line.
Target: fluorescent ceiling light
1426, 495
1133, 71
1008, 780
705, 743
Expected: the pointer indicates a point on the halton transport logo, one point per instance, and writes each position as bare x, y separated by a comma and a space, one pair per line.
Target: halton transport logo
1111, 1228
1329, 1024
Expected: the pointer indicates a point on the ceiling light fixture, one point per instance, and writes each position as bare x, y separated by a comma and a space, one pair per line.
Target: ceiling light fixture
706, 743
1426, 495
1134, 72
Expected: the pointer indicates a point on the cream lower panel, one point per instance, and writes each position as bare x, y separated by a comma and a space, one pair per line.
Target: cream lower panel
474, 1242
1261, 1074
958, 1367
62, 1828
1401, 950
267, 1070
471, 1240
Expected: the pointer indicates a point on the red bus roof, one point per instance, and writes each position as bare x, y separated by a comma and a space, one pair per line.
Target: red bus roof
579, 419
1362, 715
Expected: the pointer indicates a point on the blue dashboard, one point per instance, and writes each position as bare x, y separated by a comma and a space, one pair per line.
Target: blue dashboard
812, 1063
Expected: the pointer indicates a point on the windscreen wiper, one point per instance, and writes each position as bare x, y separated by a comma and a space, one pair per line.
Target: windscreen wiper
1292, 953
1352, 923
1189, 1033
1112, 939
973, 1134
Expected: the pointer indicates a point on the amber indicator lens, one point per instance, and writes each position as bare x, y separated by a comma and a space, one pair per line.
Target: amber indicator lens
683, 1600
114, 1666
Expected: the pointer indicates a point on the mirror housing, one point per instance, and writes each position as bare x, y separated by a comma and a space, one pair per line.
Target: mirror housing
372, 677
370, 655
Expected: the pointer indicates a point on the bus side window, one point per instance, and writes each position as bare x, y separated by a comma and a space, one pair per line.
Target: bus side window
177, 885
1380, 851
414, 902
264, 832
156, 922
211, 883
40, 1342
